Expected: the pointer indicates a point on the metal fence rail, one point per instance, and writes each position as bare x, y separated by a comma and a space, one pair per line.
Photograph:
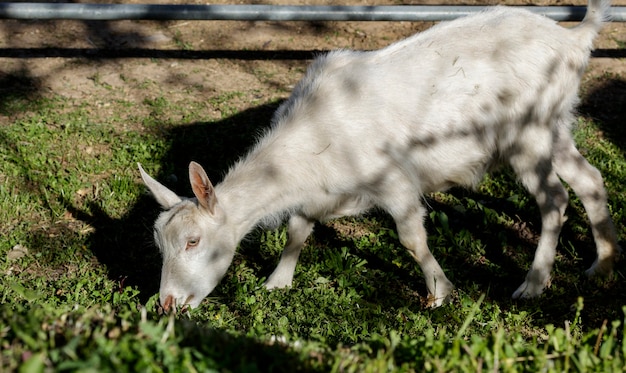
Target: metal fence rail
111, 12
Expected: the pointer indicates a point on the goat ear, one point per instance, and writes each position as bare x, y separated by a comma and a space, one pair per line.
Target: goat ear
165, 197
202, 187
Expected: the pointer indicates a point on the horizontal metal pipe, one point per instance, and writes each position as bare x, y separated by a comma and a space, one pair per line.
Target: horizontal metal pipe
112, 12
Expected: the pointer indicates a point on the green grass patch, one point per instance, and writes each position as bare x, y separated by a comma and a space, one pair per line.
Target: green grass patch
79, 270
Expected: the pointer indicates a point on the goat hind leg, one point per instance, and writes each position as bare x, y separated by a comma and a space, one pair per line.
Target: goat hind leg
587, 183
534, 168
552, 200
298, 230
412, 235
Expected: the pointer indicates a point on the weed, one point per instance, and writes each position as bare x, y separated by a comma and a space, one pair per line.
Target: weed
81, 297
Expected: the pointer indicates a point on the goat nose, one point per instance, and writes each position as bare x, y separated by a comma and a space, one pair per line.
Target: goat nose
169, 303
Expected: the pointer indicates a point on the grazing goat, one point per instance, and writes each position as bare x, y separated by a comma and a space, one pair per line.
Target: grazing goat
382, 128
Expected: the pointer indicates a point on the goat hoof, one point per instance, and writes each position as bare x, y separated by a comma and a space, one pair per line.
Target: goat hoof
271, 285
433, 302
529, 290
602, 267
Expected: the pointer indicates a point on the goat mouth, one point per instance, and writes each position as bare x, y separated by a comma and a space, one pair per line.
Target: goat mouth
167, 306
186, 305
171, 306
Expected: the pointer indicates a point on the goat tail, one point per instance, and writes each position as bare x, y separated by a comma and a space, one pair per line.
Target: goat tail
597, 14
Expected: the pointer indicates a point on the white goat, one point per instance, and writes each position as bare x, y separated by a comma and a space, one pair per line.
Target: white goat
382, 128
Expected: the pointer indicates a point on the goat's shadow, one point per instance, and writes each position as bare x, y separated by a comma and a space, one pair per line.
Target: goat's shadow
605, 101
125, 245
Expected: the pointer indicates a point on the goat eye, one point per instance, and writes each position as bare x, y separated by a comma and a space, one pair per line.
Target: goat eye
192, 242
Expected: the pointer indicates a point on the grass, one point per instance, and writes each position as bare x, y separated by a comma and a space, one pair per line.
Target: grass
80, 273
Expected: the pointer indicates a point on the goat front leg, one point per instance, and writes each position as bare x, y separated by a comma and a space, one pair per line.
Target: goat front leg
298, 230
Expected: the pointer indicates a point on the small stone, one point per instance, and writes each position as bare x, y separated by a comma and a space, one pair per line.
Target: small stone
18, 251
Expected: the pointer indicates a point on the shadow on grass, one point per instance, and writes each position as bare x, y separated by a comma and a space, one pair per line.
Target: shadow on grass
509, 252
125, 245
605, 102
245, 354
18, 89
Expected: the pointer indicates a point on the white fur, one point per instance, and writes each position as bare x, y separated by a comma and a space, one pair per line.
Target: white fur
382, 128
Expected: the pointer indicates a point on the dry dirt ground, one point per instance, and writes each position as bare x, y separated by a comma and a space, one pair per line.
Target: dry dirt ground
102, 62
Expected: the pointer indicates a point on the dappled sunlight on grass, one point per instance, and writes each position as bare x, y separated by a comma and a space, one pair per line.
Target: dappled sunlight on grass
79, 269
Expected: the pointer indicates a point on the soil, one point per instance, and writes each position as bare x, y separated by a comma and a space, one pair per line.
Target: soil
110, 61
